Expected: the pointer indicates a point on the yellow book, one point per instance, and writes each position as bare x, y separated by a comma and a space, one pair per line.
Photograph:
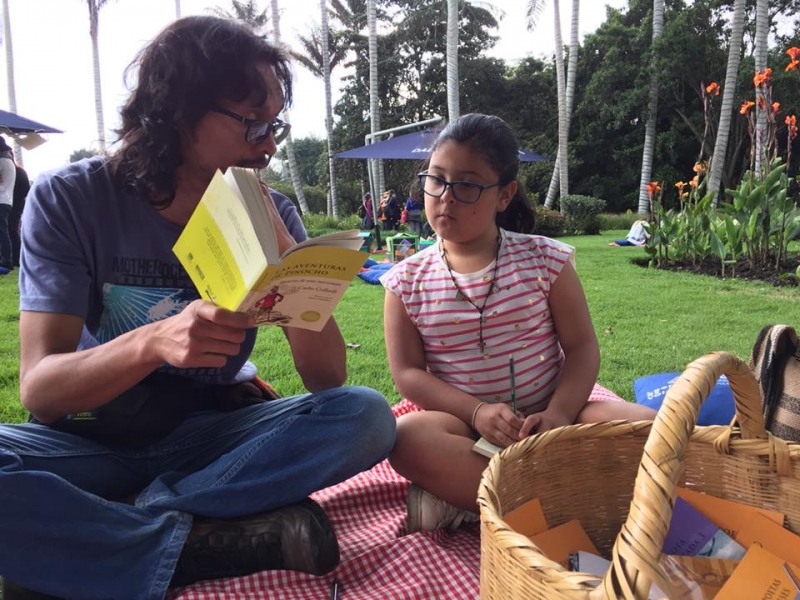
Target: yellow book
559, 542
527, 519
230, 251
727, 515
769, 535
761, 576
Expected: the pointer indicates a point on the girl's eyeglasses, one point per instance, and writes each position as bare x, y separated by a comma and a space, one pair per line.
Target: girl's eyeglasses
463, 191
257, 131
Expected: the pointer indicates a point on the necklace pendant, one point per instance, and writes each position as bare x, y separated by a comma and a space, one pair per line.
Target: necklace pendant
481, 346
495, 288
460, 296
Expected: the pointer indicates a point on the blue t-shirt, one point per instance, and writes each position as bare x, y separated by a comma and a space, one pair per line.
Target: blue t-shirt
93, 250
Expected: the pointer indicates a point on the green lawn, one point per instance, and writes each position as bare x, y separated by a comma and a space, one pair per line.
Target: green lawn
647, 321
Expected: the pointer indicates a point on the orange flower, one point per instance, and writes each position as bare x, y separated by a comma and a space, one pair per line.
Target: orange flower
761, 102
775, 107
699, 168
653, 188
763, 77
694, 182
680, 185
745, 107
794, 53
792, 66
791, 123
712, 88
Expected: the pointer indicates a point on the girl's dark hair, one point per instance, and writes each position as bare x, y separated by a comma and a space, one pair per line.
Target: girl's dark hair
181, 75
495, 141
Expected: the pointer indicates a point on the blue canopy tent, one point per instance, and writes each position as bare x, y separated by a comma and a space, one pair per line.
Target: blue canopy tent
412, 146
16, 124
24, 131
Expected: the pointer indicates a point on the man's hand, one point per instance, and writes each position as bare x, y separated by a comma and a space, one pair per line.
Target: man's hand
202, 335
550, 418
498, 424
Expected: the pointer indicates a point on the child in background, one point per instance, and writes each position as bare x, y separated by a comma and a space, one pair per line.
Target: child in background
455, 312
637, 235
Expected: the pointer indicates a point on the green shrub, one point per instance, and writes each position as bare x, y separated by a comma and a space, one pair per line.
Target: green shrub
624, 220
581, 213
548, 222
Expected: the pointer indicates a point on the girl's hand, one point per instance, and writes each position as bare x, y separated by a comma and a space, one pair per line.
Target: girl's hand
498, 424
549, 418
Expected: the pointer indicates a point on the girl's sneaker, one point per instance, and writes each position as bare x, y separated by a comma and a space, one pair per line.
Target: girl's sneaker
426, 512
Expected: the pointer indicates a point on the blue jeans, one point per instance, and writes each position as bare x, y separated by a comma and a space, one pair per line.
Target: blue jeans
59, 533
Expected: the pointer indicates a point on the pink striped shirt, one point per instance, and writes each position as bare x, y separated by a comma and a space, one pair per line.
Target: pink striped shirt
517, 322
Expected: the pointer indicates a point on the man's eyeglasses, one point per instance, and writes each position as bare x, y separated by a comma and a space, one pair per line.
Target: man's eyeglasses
463, 191
257, 131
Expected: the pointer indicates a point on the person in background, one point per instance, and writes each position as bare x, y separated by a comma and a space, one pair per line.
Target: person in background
392, 210
457, 311
366, 212
8, 176
415, 204
22, 186
144, 467
637, 235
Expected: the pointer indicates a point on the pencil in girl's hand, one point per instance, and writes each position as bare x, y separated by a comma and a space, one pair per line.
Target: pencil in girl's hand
513, 384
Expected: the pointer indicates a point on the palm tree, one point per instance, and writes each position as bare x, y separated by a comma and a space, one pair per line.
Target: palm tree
291, 157
453, 110
728, 90
535, 8
652, 111
762, 31
177, 9
94, 22
12, 92
244, 10
376, 167
572, 70
326, 77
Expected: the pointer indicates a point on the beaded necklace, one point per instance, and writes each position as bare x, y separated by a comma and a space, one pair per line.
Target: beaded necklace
493, 287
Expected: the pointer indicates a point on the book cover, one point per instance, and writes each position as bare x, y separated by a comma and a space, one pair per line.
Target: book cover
485, 448
761, 576
228, 248
727, 515
696, 577
559, 542
769, 535
692, 534
527, 519
592, 564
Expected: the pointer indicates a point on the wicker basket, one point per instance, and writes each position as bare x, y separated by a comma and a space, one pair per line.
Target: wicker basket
619, 480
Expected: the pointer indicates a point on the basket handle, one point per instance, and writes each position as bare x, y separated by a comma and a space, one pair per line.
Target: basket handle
637, 548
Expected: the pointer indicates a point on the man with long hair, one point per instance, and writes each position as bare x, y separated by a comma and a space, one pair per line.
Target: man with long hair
145, 465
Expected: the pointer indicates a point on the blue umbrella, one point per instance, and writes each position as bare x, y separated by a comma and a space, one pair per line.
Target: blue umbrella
412, 146
16, 124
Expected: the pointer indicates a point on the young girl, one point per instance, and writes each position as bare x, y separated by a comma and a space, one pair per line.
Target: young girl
455, 313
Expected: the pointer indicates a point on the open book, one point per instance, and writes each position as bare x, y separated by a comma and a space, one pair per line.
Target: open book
230, 251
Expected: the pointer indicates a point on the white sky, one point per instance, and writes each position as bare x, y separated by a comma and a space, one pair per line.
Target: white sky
53, 61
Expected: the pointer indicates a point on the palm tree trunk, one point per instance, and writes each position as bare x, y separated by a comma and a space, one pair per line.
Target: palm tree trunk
326, 75
375, 167
726, 110
453, 110
572, 70
294, 175
761, 108
652, 113
98, 90
563, 127
12, 91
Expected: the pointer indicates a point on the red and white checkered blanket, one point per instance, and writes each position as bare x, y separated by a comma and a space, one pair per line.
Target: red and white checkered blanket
377, 561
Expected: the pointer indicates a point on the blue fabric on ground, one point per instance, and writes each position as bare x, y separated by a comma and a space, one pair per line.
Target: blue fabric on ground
373, 274
370, 262
717, 409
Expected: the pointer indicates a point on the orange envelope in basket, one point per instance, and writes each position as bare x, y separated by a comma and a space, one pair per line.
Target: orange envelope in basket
772, 537
761, 575
527, 519
557, 543
727, 515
